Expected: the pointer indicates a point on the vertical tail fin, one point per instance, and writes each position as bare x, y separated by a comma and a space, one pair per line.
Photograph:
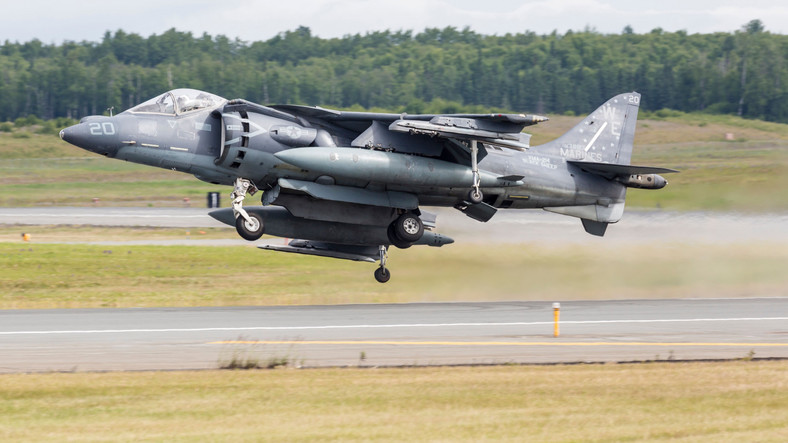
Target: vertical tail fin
605, 136
601, 146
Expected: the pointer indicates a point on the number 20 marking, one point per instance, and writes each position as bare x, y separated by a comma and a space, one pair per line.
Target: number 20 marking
105, 128
634, 99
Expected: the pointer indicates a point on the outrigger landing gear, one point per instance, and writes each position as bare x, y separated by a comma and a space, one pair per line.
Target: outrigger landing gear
475, 196
249, 226
382, 275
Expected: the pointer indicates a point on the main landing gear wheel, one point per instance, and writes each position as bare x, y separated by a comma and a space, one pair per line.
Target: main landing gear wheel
408, 227
382, 275
394, 240
251, 229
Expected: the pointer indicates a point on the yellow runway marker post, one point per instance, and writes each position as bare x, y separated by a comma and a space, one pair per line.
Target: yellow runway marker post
556, 316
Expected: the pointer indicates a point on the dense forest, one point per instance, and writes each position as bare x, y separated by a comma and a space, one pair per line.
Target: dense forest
744, 72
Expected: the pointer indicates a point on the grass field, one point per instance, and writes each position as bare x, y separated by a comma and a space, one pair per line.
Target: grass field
735, 401
747, 173
41, 275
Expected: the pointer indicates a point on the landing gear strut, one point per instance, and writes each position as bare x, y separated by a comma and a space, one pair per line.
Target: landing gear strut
249, 226
382, 275
475, 196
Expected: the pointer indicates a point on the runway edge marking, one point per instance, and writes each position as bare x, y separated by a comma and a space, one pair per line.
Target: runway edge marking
481, 343
372, 326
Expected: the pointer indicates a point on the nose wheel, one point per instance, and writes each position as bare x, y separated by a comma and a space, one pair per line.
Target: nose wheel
250, 228
382, 275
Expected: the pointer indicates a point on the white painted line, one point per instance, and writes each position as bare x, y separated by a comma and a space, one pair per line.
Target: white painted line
596, 136
415, 325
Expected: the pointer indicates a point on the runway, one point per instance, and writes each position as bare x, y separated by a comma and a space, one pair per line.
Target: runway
399, 335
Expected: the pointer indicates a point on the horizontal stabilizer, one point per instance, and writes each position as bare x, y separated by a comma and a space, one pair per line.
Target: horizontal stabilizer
611, 170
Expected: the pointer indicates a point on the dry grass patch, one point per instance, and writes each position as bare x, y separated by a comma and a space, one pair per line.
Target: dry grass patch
737, 401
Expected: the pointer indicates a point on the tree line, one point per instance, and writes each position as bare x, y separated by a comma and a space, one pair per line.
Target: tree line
446, 70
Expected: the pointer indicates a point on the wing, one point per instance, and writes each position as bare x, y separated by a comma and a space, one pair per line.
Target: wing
380, 129
358, 121
613, 170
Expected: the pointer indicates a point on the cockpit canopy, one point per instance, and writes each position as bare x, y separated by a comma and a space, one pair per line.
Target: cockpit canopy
177, 102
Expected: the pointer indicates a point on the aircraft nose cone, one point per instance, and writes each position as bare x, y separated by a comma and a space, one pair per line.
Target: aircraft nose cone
77, 135
97, 134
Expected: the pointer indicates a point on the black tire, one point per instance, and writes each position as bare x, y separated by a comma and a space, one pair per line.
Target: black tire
394, 240
475, 196
382, 275
408, 227
250, 231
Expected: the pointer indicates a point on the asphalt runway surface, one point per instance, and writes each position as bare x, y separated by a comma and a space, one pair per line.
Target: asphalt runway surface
382, 335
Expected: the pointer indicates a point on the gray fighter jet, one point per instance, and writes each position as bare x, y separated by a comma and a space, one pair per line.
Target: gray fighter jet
350, 184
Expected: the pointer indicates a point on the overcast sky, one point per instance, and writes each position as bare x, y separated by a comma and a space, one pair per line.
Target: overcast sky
77, 20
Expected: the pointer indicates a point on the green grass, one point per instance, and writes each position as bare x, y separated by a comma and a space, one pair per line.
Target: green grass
87, 233
36, 275
76, 181
726, 176
736, 401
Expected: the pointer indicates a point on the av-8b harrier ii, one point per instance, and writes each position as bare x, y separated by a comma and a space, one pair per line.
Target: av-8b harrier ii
351, 184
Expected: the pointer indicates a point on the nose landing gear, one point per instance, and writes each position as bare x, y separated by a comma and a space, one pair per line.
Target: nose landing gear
249, 226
